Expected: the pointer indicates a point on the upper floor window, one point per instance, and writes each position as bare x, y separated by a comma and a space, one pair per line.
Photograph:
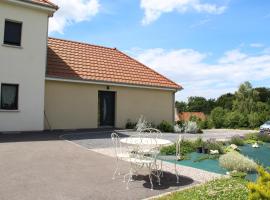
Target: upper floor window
9, 96
13, 32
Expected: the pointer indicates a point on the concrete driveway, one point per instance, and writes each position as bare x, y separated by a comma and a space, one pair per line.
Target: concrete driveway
39, 166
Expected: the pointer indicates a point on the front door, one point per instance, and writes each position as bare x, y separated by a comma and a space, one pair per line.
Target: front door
106, 108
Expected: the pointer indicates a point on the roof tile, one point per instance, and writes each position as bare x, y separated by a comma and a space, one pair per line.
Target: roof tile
75, 60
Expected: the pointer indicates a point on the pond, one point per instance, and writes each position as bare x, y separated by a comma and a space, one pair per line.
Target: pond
261, 155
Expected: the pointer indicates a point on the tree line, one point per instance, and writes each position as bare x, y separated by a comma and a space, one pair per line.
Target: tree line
248, 107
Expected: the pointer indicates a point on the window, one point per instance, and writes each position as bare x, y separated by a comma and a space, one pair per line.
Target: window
9, 96
13, 32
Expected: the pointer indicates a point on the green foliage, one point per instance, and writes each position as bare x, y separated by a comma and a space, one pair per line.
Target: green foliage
214, 145
218, 117
261, 189
200, 104
264, 94
247, 108
236, 174
186, 147
237, 140
181, 106
251, 136
236, 161
130, 125
245, 99
166, 127
264, 137
221, 189
236, 120
254, 120
207, 157
225, 101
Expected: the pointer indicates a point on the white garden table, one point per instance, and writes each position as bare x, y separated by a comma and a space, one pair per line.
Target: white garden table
145, 141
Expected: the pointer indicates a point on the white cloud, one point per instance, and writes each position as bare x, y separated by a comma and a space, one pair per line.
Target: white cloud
256, 45
199, 78
72, 11
153, 9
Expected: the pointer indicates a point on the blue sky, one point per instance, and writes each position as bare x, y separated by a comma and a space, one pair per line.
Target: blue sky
209, 47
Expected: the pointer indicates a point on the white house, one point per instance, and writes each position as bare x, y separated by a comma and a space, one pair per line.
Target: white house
48, 83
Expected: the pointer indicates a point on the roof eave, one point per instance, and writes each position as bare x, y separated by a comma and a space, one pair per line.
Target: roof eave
27, 3
73, 80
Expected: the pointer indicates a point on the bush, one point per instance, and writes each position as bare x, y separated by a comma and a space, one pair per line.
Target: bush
236, 161
260, 189
251, 136
264, 137
186, 147
218, 117
236, 120
237, 140
165, 126
203, 124
130, 125
191, 127
214, 145
142, 124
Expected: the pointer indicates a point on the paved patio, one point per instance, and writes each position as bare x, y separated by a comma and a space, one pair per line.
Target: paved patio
37, 166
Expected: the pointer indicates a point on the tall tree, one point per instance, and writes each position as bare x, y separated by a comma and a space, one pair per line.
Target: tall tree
245, 99
264, 94
200, 104
181, 106
226, 101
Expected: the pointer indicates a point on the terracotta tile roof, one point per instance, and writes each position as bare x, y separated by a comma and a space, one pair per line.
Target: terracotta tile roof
185, 116
75, 60
44, 3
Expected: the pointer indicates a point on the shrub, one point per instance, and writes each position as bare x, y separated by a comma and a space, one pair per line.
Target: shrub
214, 145
177, 128
168, 150
237, 140
260, 189
218, 117
251, 136
130, 125
236, 120
191, 127
165, 126
236, 174
236, 161
203, 124
186, 147
142, 124
264, 137
199, 142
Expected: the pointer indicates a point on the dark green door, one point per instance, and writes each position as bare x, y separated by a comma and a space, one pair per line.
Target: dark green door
106, 108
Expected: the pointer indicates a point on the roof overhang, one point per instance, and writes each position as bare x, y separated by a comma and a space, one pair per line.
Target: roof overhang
30, 4
107, 83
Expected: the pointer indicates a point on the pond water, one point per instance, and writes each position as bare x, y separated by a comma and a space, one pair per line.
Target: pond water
261, 155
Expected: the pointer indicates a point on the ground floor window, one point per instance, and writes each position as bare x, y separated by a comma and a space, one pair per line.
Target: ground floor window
9, 96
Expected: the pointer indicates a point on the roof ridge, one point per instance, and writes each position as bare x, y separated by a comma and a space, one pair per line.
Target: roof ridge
149, 68
84, 43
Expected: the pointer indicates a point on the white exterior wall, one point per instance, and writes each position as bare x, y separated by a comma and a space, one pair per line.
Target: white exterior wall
24, 66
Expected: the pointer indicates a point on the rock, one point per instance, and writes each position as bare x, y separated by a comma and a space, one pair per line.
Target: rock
214, 152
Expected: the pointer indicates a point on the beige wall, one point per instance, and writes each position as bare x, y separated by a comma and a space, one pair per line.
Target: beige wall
25, 66
75, 105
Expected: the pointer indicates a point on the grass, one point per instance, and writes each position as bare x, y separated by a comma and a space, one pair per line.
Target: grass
221, 189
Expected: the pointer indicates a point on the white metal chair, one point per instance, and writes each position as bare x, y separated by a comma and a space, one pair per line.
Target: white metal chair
150, 133
173, 158
120, 154
140, 159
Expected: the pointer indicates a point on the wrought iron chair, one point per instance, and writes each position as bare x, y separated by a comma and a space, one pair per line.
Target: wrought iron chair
120, 154
173, 158
139, 160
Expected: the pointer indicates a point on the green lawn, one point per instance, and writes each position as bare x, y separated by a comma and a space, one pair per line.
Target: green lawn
221, 189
